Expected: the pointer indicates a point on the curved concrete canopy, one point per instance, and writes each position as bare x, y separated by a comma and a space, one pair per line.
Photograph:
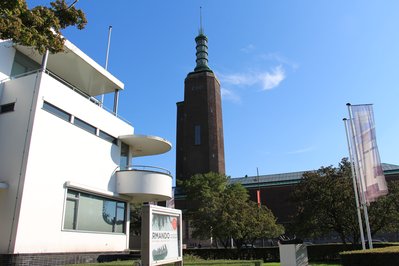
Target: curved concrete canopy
142, 145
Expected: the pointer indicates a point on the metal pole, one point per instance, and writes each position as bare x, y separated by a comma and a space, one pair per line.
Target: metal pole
109, 44
44, 61
361, 176
106, 57
116, 101
258, 195
260, 200
359, 216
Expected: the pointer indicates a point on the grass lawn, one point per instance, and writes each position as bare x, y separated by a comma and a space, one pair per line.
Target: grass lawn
192, 263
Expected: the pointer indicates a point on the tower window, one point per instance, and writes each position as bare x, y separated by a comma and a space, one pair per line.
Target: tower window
197, 135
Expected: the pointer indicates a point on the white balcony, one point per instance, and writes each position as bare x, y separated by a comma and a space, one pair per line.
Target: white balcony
144, 183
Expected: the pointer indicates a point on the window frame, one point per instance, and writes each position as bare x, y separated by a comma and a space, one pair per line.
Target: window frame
197, 135
7, 108
105, 136
89, 195
24, 63
58, 112
85, 126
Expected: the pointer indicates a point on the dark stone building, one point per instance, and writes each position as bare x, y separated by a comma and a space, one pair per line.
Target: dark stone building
200, 145
199, 139
199, 133
275, 189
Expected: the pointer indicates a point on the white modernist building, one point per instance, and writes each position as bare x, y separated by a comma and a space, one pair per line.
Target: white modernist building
65, 178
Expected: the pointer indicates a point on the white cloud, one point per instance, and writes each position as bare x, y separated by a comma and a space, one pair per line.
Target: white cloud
300, 151
238, 79
230, 95
249, 48
272, 79
280, 59
266, 80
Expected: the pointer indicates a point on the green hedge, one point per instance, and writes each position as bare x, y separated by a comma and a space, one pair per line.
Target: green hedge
325, 252
265, 254
387, 256
226, 262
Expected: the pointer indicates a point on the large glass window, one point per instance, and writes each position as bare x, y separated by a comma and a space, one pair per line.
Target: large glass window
23, 64
86, 212
124, 161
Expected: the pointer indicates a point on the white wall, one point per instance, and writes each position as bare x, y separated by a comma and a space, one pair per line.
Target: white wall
13, 130
60, 152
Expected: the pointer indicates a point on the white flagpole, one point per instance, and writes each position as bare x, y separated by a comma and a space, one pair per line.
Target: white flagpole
106, 57
363, 197
359, 216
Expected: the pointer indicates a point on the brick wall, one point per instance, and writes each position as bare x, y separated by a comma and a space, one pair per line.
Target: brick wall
50, 259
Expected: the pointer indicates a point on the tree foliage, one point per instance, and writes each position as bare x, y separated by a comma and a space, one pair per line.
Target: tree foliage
40, 26
223, 211
384, 213
136, 212
326, 203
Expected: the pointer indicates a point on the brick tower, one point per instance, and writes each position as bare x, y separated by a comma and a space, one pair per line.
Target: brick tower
199, 137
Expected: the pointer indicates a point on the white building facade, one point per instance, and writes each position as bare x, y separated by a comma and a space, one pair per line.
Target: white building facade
65, 175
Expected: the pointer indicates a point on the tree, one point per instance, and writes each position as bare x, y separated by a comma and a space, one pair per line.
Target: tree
135, 218
223, 211
39, 27
384, 213
326, 203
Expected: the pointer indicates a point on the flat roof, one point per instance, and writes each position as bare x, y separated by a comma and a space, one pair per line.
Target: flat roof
290, 178
78, 69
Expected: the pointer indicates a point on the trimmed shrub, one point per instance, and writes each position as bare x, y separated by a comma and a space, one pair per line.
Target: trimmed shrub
225, 262
325, 252
265, 254
387, 256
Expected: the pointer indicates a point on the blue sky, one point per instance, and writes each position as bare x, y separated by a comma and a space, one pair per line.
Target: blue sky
287, 70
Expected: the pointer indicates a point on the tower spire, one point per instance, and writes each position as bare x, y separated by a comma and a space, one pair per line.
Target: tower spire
202, 49
201, 30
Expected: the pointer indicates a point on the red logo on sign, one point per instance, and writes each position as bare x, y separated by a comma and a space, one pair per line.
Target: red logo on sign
174, 223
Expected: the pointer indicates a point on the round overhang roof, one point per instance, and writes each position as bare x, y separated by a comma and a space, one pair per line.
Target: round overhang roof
142, 145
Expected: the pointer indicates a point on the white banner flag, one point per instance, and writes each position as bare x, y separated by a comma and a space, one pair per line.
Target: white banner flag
368, 158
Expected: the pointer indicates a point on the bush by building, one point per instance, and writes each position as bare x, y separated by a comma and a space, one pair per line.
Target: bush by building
387, 256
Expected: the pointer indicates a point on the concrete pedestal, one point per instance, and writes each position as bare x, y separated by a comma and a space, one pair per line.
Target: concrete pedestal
293, 255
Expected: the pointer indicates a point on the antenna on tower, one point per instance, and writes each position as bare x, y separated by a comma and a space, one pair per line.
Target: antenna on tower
201, 31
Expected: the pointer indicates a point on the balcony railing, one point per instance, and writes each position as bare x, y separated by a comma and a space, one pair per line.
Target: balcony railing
146, 168
144, 183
